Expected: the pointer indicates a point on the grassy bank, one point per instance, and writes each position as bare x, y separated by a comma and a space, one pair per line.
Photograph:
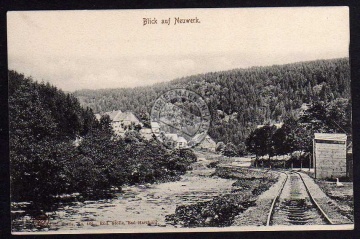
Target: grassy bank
344, 196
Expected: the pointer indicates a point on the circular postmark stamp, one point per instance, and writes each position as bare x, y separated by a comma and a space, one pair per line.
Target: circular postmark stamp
41, 220
180, 118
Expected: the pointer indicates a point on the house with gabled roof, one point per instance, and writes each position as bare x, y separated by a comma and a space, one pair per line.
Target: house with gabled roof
127, 118
174, 141
121, 121
207, 143
181, 142
170, 140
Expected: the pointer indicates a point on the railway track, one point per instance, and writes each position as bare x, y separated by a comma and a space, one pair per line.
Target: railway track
294, 205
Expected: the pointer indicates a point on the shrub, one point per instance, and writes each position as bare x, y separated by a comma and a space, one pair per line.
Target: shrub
213, 164
230, 150
180, 160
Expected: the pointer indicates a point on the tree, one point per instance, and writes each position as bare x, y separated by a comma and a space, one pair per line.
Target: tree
32, 130
220, 146
105, 126
285, 139
338, 113
45, 162
251, 96
260, 141
230, 150
241, 149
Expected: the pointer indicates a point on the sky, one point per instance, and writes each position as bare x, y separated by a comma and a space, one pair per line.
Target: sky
113, 48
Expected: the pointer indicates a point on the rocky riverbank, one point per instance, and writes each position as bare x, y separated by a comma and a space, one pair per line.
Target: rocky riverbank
138, 206
222, 210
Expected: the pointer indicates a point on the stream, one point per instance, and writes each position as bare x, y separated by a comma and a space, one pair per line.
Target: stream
136, 206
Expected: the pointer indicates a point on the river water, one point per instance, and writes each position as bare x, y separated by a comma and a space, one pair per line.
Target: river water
140, 206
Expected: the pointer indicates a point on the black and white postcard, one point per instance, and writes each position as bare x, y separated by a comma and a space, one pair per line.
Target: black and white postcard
180, 120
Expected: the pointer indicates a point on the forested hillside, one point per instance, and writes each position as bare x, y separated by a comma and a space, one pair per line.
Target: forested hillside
46, 162
42, 110
239, 99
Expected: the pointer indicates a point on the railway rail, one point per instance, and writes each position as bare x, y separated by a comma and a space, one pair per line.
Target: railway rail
294, 204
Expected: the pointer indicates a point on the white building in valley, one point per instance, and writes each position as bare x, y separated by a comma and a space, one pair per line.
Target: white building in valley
121, 121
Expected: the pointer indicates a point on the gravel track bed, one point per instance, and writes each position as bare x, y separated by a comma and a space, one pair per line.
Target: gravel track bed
344, 196
257, 215
330, 206
294, 206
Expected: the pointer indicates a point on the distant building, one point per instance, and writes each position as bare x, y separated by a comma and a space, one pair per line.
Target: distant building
304, 107
121, 121
174, 141
98, 117
198, 138
170, 140
277, 125
146, 133
155, 128
208, 144
329, 152
181, 142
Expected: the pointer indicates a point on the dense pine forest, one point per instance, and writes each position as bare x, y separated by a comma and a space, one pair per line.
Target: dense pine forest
48, 159
240, 99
